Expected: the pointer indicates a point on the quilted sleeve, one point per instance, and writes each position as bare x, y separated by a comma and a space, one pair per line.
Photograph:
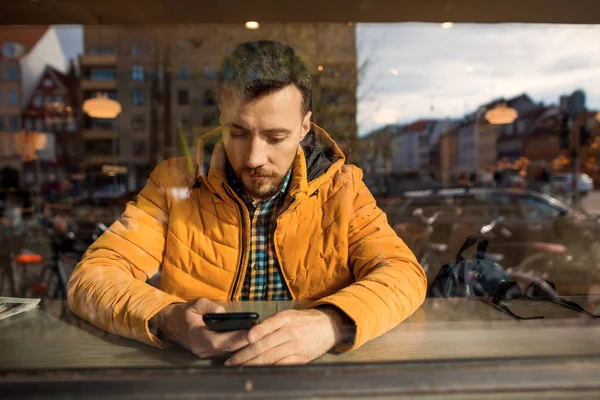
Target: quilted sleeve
390, 284
108, 287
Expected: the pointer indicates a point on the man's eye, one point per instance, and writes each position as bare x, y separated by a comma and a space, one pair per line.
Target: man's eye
237, 135
276, 140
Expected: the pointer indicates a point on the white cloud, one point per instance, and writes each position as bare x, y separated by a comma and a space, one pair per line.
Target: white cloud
455, 70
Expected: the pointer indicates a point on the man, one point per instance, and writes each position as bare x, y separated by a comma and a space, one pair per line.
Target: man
277, 216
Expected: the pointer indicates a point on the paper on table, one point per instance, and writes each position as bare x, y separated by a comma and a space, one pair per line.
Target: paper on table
10, 306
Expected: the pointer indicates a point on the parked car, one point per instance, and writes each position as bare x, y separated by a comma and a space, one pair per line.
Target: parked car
530, 216
563, 183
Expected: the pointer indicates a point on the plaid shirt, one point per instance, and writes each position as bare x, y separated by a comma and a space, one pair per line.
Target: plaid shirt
263, 280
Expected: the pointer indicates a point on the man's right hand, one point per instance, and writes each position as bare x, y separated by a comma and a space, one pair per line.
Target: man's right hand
182, 323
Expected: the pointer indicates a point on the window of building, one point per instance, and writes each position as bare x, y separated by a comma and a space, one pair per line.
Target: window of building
98, 51
39, 125
138, 122
184, 72
210, 119
48, 101
28, 124
137, 97
71, 125
136, 49
183, 97
37, 100
101, 147
12, 73
48, 83
102, 74
13, 123
139, 147
209, 98
137, 73
13, 98
1, 123
209, 72
12, 49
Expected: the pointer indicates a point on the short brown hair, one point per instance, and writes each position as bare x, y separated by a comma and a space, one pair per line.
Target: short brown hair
259, 68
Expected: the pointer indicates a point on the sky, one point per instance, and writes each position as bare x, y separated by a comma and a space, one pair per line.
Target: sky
418, 70
71, 39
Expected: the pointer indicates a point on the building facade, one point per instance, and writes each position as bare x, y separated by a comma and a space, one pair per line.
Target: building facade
165, 78
52, 115
24, 54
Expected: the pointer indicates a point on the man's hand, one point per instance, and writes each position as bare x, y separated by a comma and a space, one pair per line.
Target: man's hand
294, 337
182, 323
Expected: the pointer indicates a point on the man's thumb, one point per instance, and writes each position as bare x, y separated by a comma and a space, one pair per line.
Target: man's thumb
205, 306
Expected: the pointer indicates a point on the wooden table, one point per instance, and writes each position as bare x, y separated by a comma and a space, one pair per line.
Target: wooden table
442, 329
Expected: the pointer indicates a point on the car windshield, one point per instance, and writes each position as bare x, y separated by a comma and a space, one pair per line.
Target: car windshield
200, 188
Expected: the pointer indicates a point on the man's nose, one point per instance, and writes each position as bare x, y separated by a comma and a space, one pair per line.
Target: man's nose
257, 153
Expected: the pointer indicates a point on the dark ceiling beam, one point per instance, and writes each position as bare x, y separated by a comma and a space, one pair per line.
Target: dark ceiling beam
28, 12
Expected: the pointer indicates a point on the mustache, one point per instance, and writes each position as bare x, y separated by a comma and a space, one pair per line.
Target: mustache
258, 172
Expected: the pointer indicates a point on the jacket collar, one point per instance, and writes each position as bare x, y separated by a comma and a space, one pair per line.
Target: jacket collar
322, 153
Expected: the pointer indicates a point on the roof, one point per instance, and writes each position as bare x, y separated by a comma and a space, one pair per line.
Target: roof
26, 36
382, 132
418, 125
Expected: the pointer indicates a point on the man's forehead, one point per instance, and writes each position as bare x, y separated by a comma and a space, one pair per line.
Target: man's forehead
231, 96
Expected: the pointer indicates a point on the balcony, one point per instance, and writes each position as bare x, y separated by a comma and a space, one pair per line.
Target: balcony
98, 60
95, 134
89, 84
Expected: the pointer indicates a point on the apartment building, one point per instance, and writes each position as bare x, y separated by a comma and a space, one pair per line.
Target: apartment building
24, 54
166, 77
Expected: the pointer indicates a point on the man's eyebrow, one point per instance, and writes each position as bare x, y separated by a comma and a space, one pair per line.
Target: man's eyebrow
240, 127
277, 130
270, 130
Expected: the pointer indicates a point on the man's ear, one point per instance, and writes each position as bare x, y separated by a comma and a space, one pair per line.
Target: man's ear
305, 125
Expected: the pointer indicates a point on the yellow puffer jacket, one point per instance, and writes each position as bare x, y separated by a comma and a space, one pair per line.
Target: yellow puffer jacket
333, 243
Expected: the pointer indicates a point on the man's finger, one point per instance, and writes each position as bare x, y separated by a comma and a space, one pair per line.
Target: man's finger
255, 349
228, 342
267, 327
271, 356
292, 360
205, 306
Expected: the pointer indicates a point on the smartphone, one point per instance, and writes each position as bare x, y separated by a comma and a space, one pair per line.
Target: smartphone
229, 322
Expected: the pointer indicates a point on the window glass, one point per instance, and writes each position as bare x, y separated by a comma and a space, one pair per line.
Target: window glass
537, 209
137, 73
184, 72
165, 168
13, 123
37, 100
102, 74
138, 122
12, 72
13, 98
136, 49
183, 97
137, 97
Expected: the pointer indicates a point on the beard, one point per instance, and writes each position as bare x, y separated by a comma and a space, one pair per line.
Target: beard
260, 189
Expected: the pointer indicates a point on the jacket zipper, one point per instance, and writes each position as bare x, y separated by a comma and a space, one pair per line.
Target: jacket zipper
243, 250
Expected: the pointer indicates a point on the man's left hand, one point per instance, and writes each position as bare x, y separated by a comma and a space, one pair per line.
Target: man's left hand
293, 337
